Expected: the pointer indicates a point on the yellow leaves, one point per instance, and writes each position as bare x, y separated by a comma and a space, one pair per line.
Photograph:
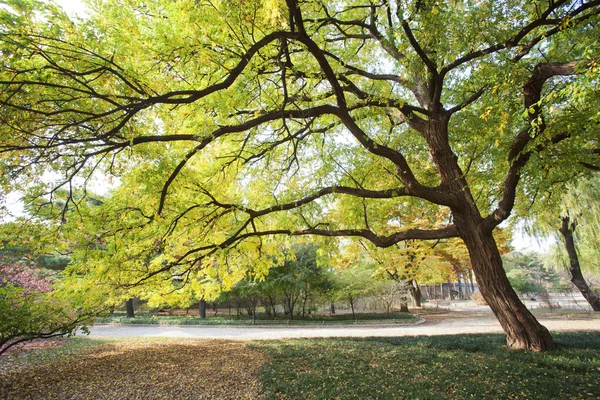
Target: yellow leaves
273, 13
564, 24
484, 116
162, 369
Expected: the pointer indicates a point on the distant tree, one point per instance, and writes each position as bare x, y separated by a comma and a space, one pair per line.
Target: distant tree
388, 292
300, 279
582, 206
572, 214
527, 273
352, 284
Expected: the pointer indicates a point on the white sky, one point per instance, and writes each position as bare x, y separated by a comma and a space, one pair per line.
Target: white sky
72, 7
524, 243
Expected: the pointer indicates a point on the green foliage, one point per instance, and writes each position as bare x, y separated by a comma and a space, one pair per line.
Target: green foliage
261, 319
432, 367
528, 274
298, 284
523, 283
581, 204
27, 314
353, 283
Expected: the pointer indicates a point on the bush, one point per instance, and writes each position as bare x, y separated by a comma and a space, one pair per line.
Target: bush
30, 309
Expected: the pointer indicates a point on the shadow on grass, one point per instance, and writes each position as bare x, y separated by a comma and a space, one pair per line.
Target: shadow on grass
431, 367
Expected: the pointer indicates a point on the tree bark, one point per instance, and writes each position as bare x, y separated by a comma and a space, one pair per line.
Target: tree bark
129, 308
332, 308
471, 280
267, 307
273, 303
461, 294
577, 278
415, 292
202, 309
522, 330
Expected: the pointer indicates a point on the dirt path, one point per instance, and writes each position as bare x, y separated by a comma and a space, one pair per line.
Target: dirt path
442, 323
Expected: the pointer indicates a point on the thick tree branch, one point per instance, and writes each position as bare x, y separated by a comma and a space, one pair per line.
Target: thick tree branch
518, 155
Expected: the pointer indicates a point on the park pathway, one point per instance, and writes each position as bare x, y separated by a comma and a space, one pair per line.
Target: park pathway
445, 323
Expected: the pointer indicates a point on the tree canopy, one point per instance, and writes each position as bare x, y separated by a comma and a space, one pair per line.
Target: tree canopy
229, 124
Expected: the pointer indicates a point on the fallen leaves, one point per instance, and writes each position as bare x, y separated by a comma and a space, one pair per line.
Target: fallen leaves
143, 369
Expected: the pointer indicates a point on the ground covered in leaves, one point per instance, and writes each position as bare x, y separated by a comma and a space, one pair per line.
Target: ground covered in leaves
425, 367
136, 369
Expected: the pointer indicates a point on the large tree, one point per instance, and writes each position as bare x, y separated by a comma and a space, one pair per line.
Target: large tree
325, 113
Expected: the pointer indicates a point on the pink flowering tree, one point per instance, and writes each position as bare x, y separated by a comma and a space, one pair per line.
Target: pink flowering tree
25, 277
31, 309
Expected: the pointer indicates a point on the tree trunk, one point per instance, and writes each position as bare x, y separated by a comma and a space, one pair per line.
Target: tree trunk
267, 307
577, 278
415, 292
403, 307
202, 309
291, 304
273, 303
332, 308
304, 300
351, 300
129, 308
522, 330
471, 280
460, 290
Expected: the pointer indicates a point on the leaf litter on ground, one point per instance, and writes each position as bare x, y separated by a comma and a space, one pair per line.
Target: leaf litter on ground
141, 369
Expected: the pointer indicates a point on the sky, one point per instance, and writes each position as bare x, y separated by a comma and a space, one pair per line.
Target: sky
521, 241
72, 7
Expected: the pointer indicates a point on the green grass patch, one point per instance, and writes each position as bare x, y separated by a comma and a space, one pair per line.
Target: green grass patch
430, 367
343, 319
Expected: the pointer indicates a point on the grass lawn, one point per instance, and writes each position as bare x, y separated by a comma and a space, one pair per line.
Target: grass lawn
341, 319
430, 367
440, 367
